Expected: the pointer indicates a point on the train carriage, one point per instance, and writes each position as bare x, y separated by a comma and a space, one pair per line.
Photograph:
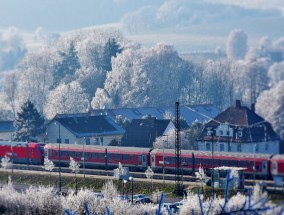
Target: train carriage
191, 160
99, 156
277, 166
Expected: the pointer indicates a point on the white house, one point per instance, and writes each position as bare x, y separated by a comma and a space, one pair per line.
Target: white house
6, 130
239, 129
83, 129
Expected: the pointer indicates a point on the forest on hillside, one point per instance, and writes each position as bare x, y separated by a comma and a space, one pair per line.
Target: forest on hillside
91, 69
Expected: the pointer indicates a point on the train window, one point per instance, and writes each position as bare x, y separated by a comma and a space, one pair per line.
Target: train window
172, 160
190, 161
94, 155
78, 154
125, 157
207, 162
274, 166
139, 158
63, 153
131, 157
86, 155
57, 153
233, 163
243, 164
166, 159
250, 164
110, 156
117, 157
224, 163
101, 155
197, 161
72, 154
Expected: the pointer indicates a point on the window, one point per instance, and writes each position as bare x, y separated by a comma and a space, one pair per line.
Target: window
207, 162
190, 161
139, 158
94, 155
72, 154
243, 164
172, 160
197, 161
86, 155
57, 153
221, 147
239, 148
101, 155
109, 156
125, 157
131, 157
250, 164
240, 133
208, 147
224, 163
216, 162
78, 154
117, 157
102, 140
233, 163
66, 141
88, 141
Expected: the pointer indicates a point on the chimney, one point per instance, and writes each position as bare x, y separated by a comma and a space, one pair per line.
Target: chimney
252, 107
238, 104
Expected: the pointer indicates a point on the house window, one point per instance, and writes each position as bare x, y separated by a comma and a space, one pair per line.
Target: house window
102, 140
208, 147
66, 141
221, 147
58, 140
239, 147
88, 141
240, 133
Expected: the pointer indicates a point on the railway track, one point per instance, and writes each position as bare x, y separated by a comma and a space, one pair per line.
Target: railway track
187, 179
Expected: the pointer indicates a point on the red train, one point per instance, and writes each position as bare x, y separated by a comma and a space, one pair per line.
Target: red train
266, 165
22, 152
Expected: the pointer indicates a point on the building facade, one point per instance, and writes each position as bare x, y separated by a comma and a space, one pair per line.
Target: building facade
239, 129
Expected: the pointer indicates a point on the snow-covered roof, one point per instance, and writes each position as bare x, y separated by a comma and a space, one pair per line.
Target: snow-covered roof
189, 112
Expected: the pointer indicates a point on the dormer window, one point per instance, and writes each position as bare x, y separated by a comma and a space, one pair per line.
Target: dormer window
240, 133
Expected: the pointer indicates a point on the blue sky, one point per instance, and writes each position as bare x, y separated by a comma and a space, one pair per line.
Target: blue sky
190, 25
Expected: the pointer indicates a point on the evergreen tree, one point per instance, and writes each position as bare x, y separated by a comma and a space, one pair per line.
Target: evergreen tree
111, 49
28, 123
67, 68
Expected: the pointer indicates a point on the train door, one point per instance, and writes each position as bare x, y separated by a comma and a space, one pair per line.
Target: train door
144, 161
264, 167
153, 161
274, 168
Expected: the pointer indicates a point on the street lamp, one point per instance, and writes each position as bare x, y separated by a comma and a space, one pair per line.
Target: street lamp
84, 159
59, 143
212, 159
123, 184
131, 179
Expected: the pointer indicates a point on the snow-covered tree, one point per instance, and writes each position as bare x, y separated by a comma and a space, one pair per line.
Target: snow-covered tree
276, 73
201, 176
29, 123
237, 44
66, 98
48, 166
74, 167
6, 164
270, 105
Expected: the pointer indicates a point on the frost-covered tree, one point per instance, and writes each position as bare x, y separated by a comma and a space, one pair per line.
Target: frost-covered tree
276, 73
6, 164
142, 77
66, 98
236, 46
29, 123
270, 105
36, 76
74, 167
201, 176
48, 165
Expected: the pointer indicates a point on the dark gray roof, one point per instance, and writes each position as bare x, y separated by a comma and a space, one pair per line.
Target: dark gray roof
7, 126
190, 113
143, 132
254, 127
84, 125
